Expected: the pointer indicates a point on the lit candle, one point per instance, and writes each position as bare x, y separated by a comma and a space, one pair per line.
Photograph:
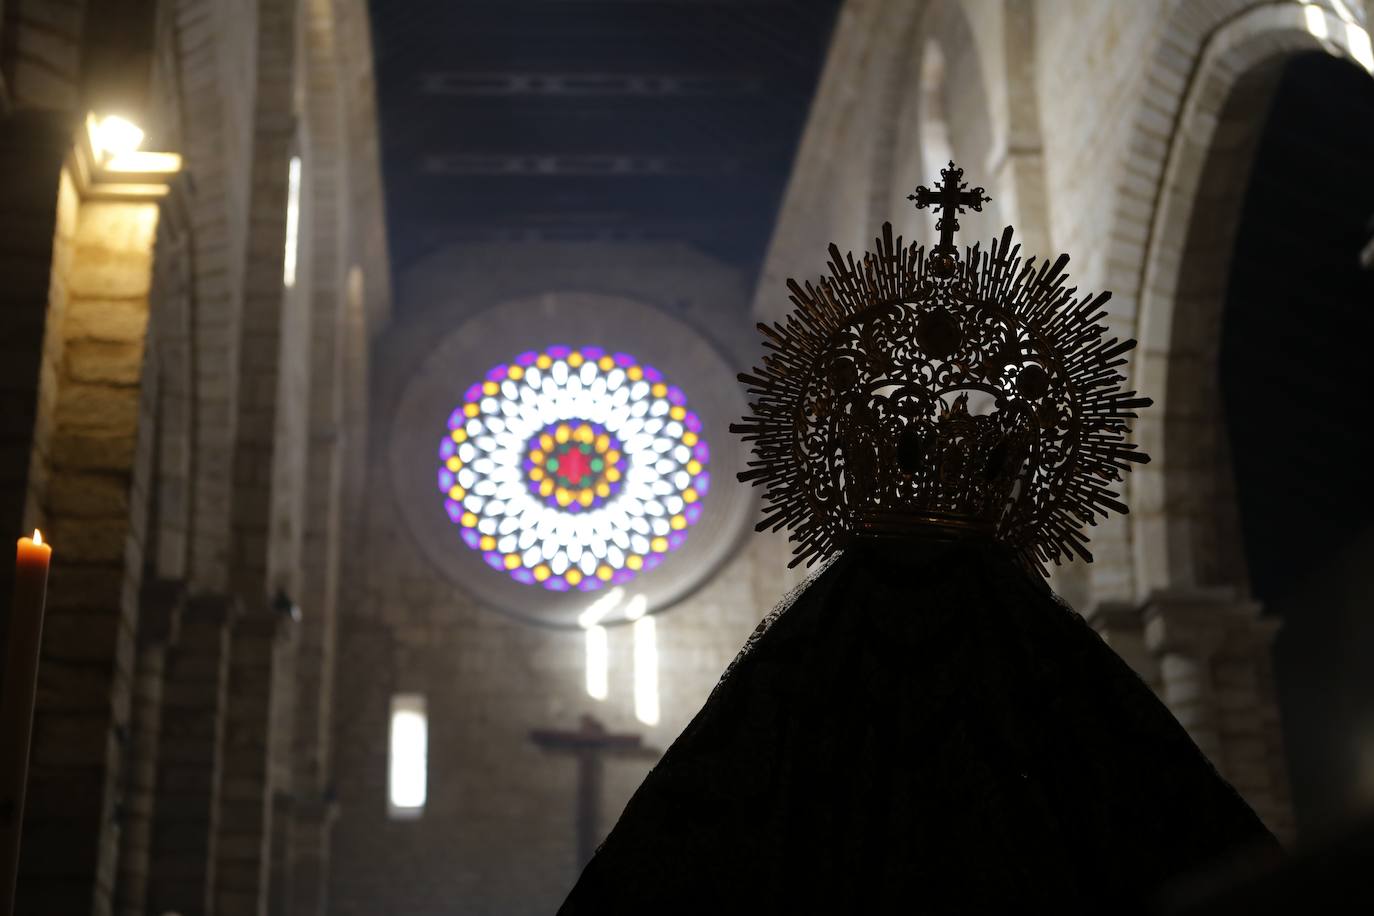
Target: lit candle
31, 576
16, 701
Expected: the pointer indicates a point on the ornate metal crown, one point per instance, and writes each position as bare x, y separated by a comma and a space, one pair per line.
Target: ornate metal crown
921, 391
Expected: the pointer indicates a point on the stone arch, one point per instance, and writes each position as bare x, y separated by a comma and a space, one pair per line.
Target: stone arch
932, 121
457, 350
1019, 168
859, 155
934, 107
830, 193
1201, 181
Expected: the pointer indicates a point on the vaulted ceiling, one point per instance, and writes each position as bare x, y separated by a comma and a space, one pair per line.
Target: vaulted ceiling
592, 119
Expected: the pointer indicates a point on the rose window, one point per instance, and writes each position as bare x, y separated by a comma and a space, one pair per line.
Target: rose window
574, 468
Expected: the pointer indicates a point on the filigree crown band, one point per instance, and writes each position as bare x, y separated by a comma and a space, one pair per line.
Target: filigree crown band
921, 390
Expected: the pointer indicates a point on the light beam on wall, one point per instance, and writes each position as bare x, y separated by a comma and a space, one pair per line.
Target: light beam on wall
407, 762
598, 609
1358, 40
598, 663
597, 651
646, 670
1343, 11
1315, 18
293, 222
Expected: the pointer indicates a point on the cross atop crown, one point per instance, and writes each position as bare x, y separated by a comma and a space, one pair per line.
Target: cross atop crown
949, 197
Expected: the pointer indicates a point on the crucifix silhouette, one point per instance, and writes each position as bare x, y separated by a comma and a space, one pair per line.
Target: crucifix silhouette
590, 744
949, 197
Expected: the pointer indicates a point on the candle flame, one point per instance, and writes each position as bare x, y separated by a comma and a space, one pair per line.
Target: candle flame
37, 536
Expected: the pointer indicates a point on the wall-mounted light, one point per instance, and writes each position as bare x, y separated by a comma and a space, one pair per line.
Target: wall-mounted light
113, 165
114, 136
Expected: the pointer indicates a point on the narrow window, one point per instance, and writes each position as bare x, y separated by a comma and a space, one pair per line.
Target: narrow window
293, 222
646, 670
598, 663
407, 762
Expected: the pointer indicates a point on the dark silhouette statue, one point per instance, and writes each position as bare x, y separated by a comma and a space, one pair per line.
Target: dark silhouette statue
924, 727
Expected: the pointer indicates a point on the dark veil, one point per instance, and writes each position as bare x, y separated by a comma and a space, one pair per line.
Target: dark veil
922, 728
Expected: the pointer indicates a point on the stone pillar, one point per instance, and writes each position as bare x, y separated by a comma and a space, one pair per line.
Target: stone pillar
186, 814
245, 827
1214, 650
4, 89
158, 624
282, 866
94, 499
312, 827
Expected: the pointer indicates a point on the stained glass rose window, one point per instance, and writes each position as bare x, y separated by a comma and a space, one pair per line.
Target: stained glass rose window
574, 468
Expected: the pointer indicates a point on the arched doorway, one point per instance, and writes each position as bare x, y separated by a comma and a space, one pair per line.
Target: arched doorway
1209, 635
1292, 361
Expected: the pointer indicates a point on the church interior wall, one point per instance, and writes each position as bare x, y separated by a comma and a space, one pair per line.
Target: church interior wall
238, 595
160, 444
497, 804
859, 143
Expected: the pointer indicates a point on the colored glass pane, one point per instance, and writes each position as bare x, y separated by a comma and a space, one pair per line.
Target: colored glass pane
573, 468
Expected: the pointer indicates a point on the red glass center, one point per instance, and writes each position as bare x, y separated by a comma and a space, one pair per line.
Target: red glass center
574, 465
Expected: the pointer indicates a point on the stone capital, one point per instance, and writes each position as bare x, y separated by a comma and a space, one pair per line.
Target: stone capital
1113, 616
1196, 622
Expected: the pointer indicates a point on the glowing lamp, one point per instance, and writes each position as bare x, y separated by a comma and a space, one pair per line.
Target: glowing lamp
114, 136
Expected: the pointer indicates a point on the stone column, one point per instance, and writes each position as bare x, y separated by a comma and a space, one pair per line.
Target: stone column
4, 89
1214, 650
282, 867
313, 824
158, 624
95, 502
186, 813
245, 827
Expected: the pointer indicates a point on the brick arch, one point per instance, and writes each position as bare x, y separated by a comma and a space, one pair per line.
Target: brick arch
1179, 538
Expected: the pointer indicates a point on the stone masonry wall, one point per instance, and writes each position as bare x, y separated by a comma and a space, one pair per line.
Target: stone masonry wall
498, 834
143, 418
